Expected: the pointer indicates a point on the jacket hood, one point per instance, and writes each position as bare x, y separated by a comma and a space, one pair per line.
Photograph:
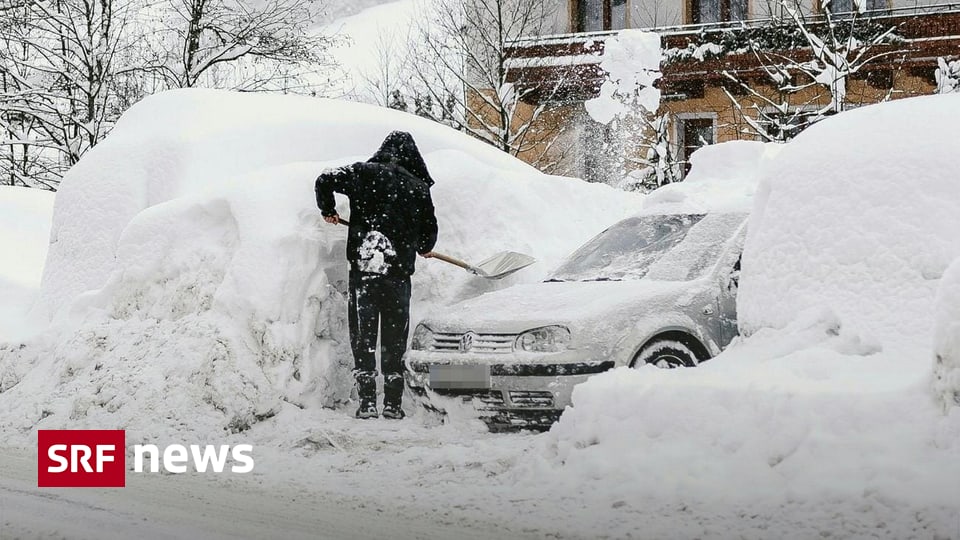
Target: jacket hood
400, 149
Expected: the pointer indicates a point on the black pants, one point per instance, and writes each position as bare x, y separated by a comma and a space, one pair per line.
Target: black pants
379, 303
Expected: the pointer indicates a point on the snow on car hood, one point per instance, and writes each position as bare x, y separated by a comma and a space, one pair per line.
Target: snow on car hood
593, 305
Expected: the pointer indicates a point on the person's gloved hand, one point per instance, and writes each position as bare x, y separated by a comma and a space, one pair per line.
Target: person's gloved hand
427, 255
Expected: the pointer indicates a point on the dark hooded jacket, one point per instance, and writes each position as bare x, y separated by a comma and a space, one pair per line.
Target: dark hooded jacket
391, 213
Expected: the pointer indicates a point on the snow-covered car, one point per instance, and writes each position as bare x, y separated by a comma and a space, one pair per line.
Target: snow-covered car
651, 289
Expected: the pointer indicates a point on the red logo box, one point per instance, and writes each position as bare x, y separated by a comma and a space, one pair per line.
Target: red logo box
81, 458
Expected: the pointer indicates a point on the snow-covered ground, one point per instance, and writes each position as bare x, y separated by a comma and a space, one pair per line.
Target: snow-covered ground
196, 296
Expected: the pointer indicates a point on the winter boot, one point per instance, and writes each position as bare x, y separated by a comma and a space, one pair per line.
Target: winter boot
367, 409
393, 396
393, 411
367, 391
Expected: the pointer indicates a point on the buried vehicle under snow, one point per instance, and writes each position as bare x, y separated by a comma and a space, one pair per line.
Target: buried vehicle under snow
651, 289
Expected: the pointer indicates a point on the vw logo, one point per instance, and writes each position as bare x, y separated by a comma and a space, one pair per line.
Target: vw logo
466, 342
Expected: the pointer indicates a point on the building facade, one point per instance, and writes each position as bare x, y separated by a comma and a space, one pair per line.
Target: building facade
732, 69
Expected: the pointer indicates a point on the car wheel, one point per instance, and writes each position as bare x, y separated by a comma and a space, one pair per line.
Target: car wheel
666, 353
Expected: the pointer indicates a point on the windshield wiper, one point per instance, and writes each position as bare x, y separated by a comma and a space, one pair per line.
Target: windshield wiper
554, 280
602, 279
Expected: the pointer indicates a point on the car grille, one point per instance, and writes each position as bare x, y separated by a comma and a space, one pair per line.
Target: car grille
531, 398
481, 343
488, 398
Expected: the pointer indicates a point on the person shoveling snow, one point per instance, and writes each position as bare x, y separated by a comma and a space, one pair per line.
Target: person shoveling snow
391, 220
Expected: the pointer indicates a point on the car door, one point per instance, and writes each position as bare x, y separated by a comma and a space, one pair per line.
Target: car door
727, 301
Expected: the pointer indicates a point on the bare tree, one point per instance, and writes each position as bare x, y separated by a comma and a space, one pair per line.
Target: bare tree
69, 68
247, 44
386, 84
839, 47
467, 66
59, 62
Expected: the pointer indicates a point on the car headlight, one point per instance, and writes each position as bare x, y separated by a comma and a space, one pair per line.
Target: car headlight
422, 338
545, 339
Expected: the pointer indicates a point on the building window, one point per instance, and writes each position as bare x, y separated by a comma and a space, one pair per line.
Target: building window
712, 11
599, 15
694, 133
848, 6
783, 127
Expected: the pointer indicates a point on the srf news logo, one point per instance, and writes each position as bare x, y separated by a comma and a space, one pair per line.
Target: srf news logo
97, 458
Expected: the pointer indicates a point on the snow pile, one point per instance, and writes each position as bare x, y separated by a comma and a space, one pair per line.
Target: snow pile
204, 141
195, 287
723, 178
785, 426
865, 234
827, 402
24, 236
947, 337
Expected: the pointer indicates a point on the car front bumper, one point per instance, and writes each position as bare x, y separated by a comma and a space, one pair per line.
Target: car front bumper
519, 395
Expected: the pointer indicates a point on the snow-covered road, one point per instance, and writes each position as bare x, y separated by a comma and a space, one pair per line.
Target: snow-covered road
341, 478
195, 506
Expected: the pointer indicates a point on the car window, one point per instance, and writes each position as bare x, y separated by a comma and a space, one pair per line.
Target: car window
626, 250
698, 252
666, 247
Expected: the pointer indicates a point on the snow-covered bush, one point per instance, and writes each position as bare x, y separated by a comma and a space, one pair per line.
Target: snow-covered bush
194, 286
948, 76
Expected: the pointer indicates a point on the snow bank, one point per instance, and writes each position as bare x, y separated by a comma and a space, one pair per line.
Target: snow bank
827, 402
723, 178
195, 287
188, 142
786, 423
25, 216
865, 231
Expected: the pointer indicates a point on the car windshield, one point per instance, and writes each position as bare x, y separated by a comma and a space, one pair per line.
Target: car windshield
678, 247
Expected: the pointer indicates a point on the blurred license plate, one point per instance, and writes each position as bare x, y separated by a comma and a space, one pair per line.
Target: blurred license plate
454, 377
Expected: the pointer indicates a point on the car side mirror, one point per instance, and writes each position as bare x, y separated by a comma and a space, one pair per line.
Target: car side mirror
733, 278
733, 281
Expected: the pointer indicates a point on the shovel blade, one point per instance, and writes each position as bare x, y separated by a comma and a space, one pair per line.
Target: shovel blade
503, 264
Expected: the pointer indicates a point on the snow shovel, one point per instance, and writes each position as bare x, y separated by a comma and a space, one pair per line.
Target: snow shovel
498, 266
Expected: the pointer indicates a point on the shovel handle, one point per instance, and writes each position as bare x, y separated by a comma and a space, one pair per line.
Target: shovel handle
445, 258
454, 261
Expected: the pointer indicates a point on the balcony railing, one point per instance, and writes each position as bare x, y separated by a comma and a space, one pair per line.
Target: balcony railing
694, 29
